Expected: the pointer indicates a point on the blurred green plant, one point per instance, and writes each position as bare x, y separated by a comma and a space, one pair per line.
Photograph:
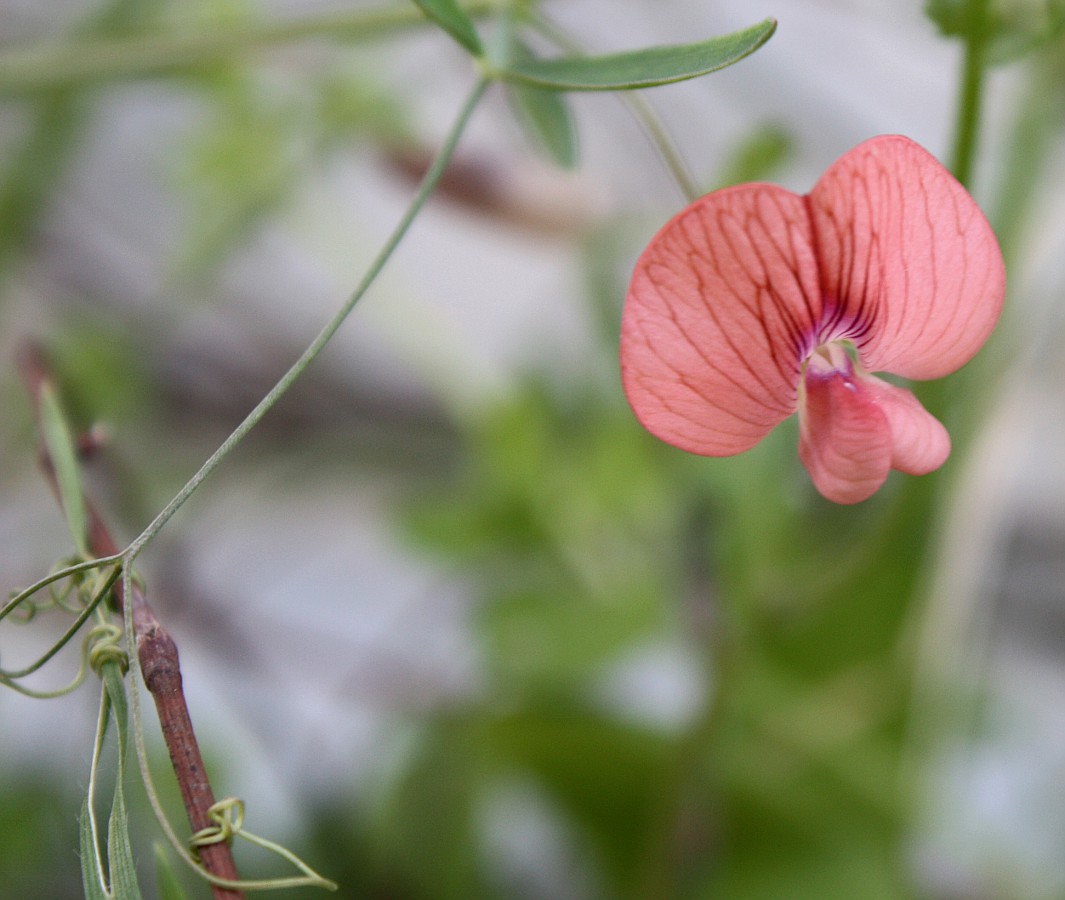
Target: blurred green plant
590, 541
792, 774
1012, 28
251, 162
253, 152
800, 774
36, 817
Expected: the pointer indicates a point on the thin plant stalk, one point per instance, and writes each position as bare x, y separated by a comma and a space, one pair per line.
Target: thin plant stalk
308, 356
974, 67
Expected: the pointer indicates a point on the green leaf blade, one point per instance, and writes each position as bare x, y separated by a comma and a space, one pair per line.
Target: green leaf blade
448, 15
546, 118
60, 445
120, 880
92, 879
120, 851
168, 885
116, 695
636, 69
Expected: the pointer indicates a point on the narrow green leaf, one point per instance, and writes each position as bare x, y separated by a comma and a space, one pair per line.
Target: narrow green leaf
92, 878
60, 446
167, 882
119, 851
546, 118
116, 693
448, 15
639, 68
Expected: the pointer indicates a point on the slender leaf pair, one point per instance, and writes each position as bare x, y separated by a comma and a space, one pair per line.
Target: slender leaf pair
536, 84
119, 881
628, 70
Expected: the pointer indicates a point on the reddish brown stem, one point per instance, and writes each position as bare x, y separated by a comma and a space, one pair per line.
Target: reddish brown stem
159, 664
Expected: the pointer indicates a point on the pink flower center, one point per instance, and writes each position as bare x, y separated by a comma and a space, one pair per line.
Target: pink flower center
831, 359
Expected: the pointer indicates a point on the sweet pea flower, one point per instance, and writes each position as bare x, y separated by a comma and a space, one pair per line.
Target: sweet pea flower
754, 303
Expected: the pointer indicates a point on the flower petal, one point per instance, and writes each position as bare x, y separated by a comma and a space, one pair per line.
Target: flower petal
909, 258
919, 442
845, 440
718, 319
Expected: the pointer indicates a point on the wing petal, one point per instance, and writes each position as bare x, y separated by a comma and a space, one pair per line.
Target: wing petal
720, 313
919, 442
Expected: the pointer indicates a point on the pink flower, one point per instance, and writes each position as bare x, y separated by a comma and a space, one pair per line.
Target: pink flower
754, 303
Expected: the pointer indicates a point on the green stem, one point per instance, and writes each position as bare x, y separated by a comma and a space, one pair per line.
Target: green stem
659, 875
429, 182
39, 68
652, 125
1037, 123
974, 65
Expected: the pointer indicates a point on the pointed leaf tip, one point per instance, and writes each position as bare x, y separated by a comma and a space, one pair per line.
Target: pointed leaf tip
93, 879
59, 442
644, 68
547, 119
449, 16
545, 116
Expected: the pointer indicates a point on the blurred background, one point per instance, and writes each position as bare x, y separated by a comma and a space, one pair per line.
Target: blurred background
451, 623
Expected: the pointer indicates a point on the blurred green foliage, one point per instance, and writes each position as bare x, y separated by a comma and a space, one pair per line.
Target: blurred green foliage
1011, 28
587, 542
37, 161
38, 820
262, 139
590, 541
564, 511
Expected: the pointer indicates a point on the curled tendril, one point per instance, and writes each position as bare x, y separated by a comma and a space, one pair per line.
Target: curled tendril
103, 641
78, 575
228, 818
25, 606
60, 591
23, 612
93, 591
